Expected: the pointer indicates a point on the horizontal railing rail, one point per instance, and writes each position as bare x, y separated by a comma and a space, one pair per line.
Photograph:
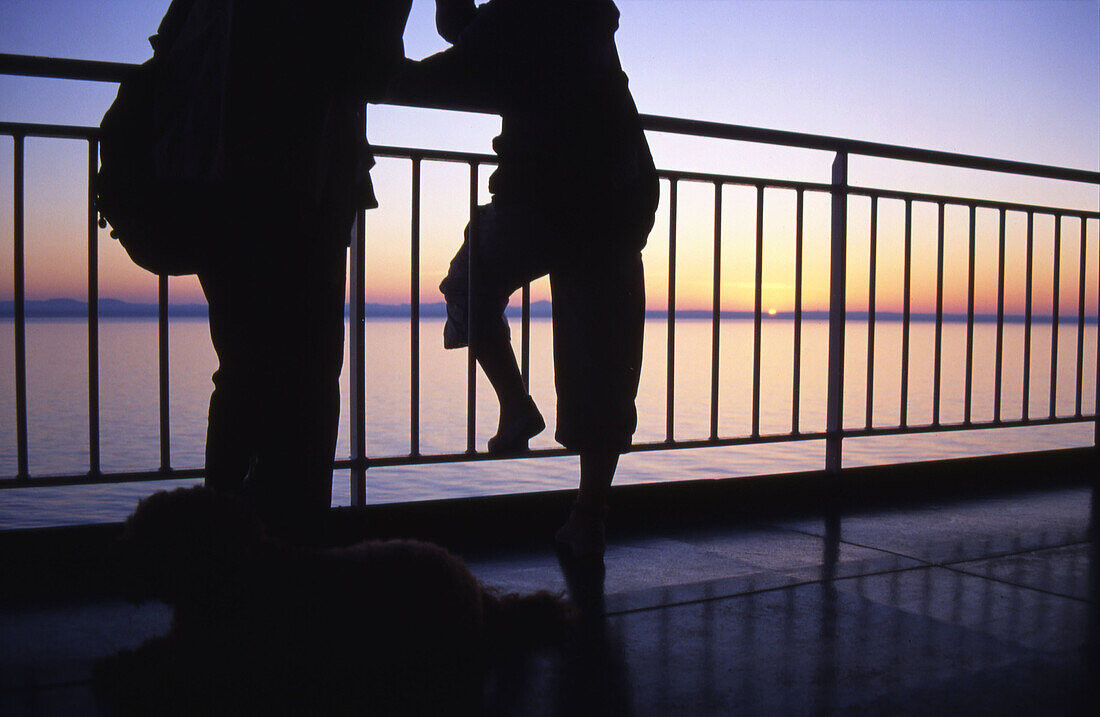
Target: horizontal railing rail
1071, 229
90, 70
63, 68
717, 130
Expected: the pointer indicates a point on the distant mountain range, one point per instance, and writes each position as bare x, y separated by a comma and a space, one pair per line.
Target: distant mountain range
108, 308
114, 308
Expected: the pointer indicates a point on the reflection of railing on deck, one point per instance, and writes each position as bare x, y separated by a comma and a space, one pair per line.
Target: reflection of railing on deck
839, 192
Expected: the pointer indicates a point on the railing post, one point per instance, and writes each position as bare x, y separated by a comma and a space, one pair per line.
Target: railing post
525, 337
716, 312
758, 311
358, 374
670, 366
163, 374
414, 314
93, 314
837, 315
19, 291
471, 317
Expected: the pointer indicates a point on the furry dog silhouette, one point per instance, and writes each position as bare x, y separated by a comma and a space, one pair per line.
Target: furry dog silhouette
259, 626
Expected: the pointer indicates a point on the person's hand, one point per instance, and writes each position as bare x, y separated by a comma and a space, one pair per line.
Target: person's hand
452, 17
400, 84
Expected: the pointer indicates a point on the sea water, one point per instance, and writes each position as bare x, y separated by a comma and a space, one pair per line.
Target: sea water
129, 423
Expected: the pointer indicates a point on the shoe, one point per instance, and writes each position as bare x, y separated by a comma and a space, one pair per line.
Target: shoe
513, 438
584, 535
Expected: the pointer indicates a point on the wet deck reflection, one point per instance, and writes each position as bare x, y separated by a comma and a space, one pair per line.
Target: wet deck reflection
983, 605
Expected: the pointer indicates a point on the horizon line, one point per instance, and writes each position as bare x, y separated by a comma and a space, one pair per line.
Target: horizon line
118, 308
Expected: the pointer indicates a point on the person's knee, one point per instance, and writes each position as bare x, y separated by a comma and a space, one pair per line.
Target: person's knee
490, 331
489, 325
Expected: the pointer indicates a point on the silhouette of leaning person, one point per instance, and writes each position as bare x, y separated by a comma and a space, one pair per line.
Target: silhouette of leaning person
294, 79
573, 197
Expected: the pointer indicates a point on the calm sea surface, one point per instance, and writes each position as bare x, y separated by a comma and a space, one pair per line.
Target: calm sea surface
57, 378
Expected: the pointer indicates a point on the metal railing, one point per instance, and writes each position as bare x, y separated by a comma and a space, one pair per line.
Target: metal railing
839, 193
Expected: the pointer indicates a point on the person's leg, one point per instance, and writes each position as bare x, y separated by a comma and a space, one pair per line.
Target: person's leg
231, 435
326, 360
277, 325
506, 269
597, 471
519, 419
599, 311
584, 532
303, 336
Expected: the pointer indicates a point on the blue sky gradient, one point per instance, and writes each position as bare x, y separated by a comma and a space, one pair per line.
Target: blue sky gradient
1016, 79
1008, 78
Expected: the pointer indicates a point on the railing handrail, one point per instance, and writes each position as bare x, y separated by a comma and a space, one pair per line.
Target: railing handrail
102, 71
718, 130
64, 68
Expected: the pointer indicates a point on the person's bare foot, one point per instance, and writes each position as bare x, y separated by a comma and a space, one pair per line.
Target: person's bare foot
516, 428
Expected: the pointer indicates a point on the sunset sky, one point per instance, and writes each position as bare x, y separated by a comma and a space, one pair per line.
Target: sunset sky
1014, 80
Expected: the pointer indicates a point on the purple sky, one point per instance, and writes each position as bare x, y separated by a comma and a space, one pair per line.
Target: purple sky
1011, 79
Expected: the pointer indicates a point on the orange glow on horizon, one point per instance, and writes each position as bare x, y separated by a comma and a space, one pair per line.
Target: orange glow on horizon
52, 271
56, 235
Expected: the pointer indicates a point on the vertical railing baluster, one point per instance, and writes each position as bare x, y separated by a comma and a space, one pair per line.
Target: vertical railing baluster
670, 381
93, 314
716, 311
19, 290
471, 318
1028, 263
796, 383
758, 306
838, 243
357, 383
907, 286
1055, 313
357, 342
968, 394
937, 357
1096, 382
999, 361
872, 281
1081, 319
525, 337
414, 313
163, 375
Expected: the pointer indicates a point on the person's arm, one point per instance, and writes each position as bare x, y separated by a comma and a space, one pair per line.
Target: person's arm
324, 45
375, 42
478, 71
452, 17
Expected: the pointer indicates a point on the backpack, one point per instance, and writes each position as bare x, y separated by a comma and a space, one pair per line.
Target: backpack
164, 224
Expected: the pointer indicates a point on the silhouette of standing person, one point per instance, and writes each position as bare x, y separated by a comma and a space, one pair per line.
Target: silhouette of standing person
296, 78
574, 196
